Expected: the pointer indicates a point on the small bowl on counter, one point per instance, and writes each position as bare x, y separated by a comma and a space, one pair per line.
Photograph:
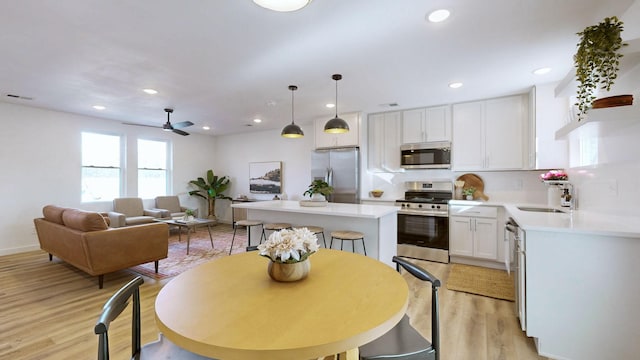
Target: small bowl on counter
376, 193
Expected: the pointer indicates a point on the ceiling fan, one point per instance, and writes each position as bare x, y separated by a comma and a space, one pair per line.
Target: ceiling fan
168, 126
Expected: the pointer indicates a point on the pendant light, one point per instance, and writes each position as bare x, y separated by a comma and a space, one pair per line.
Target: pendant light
292, 130
336, 125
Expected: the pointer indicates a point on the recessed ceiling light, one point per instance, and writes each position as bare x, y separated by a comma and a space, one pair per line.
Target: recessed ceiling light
438, 15
330, 106
206, 128
542, 71
257, 121
99, 107
455, 85
282, 5
150, 91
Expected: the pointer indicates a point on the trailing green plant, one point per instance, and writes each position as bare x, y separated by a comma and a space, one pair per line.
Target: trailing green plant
211, 189
319, 186
597, 60
469, 191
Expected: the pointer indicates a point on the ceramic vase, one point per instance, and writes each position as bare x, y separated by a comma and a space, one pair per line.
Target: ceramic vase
289, 272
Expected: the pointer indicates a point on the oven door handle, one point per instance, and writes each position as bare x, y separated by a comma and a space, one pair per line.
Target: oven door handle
421, 213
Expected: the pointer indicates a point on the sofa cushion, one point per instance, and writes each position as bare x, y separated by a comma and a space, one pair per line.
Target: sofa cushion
83, 220
53, 213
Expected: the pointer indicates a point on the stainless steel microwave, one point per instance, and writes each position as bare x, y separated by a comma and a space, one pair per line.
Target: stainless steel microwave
433, 155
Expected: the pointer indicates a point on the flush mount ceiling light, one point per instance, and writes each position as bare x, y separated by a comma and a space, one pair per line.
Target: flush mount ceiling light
257, 121
438, 15
455, 85
150, 91
336, 125
99, 107
542, 71
292, 130
282, 5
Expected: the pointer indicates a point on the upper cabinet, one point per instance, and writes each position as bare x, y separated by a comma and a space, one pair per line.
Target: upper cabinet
383, 146
350, 138
548, 114
426, 124
490, 134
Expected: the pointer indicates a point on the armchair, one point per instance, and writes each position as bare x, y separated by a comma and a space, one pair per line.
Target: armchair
130, 211
172, 205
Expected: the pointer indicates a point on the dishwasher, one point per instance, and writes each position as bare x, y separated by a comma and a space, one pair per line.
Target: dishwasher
516, 236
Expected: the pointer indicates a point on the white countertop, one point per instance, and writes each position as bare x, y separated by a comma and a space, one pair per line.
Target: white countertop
333, 209
577, 221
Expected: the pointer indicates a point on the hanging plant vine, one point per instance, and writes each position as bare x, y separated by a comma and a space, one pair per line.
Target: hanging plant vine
597, 60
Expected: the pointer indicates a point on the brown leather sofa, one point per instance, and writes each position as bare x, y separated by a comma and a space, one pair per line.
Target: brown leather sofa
84, 240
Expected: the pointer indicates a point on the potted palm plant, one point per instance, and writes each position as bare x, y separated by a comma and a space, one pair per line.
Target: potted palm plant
597, 61
210, 189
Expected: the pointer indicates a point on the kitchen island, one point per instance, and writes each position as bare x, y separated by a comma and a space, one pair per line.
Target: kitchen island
379, 223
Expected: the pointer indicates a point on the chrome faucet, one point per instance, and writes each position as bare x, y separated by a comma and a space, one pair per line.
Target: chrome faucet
569, 197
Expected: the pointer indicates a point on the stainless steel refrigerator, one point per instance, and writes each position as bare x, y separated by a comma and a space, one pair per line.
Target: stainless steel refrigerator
341, 169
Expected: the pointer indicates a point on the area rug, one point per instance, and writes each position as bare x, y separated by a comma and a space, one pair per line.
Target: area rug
200, 250
481, 281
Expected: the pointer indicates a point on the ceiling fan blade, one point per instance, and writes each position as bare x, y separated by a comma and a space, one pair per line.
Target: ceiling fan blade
183, 124
180, 132
134, 124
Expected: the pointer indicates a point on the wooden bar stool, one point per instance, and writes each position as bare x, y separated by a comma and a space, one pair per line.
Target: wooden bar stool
248, 224
315, 230
352, 236
273, 227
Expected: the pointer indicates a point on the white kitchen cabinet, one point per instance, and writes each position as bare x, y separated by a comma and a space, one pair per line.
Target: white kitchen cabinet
350, 138
426, 125
548, 114
383, 142
490, 134
473, 232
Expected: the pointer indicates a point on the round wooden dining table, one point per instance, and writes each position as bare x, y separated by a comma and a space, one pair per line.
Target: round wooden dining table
230, 308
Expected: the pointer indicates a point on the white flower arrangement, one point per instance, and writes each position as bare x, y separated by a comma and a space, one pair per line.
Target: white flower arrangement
289, 246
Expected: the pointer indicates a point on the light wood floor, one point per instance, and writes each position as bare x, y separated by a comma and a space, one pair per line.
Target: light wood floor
48, 311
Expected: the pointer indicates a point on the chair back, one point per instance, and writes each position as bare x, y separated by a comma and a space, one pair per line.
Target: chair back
112, 309
171, 203
128, 206
424, 275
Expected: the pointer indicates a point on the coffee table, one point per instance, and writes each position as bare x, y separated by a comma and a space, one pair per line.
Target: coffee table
190, 225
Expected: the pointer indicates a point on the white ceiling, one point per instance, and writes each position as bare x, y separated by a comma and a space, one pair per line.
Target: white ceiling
222, 63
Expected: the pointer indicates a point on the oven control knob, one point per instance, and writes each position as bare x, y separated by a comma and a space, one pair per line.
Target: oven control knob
433, 206
438, 206
420, 206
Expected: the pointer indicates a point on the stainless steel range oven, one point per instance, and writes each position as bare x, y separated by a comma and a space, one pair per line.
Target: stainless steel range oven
423, 220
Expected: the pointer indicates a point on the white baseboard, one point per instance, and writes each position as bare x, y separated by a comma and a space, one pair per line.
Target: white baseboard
18, 250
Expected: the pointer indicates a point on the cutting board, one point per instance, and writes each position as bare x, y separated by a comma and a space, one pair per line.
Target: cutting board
473, 180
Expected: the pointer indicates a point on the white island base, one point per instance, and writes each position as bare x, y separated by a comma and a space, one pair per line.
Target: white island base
378, 223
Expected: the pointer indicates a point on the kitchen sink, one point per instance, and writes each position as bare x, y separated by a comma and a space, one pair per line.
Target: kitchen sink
540, 209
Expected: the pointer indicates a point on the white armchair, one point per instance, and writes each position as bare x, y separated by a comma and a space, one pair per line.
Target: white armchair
172, 206
130, 211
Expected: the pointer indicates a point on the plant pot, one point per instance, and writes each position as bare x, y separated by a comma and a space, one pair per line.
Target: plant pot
612, 101
317, 197
289, 272
469, 197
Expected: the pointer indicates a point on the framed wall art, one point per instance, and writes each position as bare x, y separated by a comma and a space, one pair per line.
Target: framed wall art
265, 177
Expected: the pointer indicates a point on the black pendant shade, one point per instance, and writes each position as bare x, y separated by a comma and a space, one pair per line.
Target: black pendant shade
292, 130
336, 125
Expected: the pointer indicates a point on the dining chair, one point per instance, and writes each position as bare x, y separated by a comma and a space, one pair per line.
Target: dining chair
161, 349
403, 342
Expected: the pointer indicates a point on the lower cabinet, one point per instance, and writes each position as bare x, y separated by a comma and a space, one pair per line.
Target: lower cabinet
473, 232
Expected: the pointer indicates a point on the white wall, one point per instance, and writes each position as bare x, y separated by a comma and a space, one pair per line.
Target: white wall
41, 159
235, 152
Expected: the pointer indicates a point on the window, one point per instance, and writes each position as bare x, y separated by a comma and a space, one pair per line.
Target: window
152, 168
101, 172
